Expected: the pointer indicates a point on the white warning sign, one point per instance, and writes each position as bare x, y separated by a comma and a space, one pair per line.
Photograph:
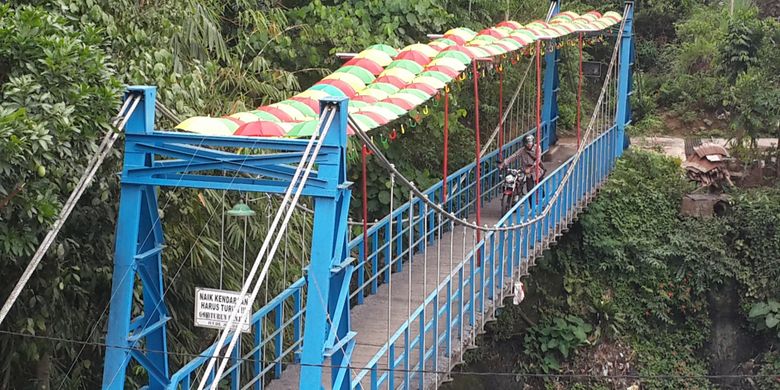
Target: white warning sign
213, 309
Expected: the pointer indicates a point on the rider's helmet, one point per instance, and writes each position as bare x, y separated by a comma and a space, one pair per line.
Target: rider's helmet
528, 140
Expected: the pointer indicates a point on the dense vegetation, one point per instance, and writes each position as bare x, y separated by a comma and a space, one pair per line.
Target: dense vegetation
634, 278
63, 64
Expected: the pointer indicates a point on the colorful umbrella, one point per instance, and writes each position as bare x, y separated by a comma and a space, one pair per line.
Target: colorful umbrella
441, 76
362, 73
263, 129
391, 107
383, 111
305, 109
292, 111
342, 86
357, 104
314, 104
378, 118
416, 56
392, 80
312, 94
458, 53
442, 43
428, 89
450, 72
303, 129
329, 89
451, 63
457, 39
405, 104
430, 81
365, 122
386, 87
428, 50
478, 52
461, 32
207, 125
510, 24
353, 81
281, 115
366, 64
490, 32
408, 64
401, 73
368, 99
377, 94
264, 116
389, 50
247, 117
416, 93
375, 55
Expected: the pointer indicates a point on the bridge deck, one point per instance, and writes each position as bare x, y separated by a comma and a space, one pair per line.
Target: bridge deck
370, 320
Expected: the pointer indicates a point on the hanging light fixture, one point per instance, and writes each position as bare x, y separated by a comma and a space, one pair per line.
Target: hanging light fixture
241, 210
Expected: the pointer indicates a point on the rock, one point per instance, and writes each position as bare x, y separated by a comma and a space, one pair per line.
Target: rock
702, 128
707, 122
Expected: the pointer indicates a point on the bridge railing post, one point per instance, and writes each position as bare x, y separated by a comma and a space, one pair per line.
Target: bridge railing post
550, 88
623, 114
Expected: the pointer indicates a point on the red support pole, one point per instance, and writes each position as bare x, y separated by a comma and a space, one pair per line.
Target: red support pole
364, 155
500, 112
446, 143
579, 95
478, 150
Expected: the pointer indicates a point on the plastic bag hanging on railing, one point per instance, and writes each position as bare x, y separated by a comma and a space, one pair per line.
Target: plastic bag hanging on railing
518, 290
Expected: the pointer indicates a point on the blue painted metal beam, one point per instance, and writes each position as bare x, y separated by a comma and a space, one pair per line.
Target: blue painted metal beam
623, 116
550, 90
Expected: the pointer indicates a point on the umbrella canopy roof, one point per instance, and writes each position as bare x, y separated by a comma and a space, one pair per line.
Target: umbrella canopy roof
384, 83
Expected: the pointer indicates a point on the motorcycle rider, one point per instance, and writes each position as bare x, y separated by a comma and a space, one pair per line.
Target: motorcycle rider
527, 156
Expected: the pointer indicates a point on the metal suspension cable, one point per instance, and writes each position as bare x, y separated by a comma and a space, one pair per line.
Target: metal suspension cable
359, 132
302, 173
86, 180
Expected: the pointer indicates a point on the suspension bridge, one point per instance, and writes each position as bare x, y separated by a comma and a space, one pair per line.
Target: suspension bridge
397, 305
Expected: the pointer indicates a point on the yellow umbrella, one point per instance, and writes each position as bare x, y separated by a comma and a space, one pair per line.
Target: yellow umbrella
245, 117
312, 94
378, 56
384, 112
374, 92
424, 49
414, 99
399, 72
355, 82
448, 62
205, 125
432, 81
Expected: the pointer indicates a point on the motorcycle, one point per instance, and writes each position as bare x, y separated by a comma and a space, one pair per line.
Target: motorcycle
512, 189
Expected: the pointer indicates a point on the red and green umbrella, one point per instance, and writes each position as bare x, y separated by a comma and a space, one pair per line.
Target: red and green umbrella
378, 115
491, 32
385, 87
291, 111
366, 64
353, 81
416, 57
450, 72
281, 115
401, 73
442, 43
362, 73
451, 63
365, 122
342, 86
441, 76
391, 80
263, 129
389, 50
510, 24
432, 82
378, 56
368, 99
408, 63
304, 108
376, 93
262, 115
426, 88
314, 104
458, 53
414, 95
403, 103
329, 89
428, 50
391, 107
208, 125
